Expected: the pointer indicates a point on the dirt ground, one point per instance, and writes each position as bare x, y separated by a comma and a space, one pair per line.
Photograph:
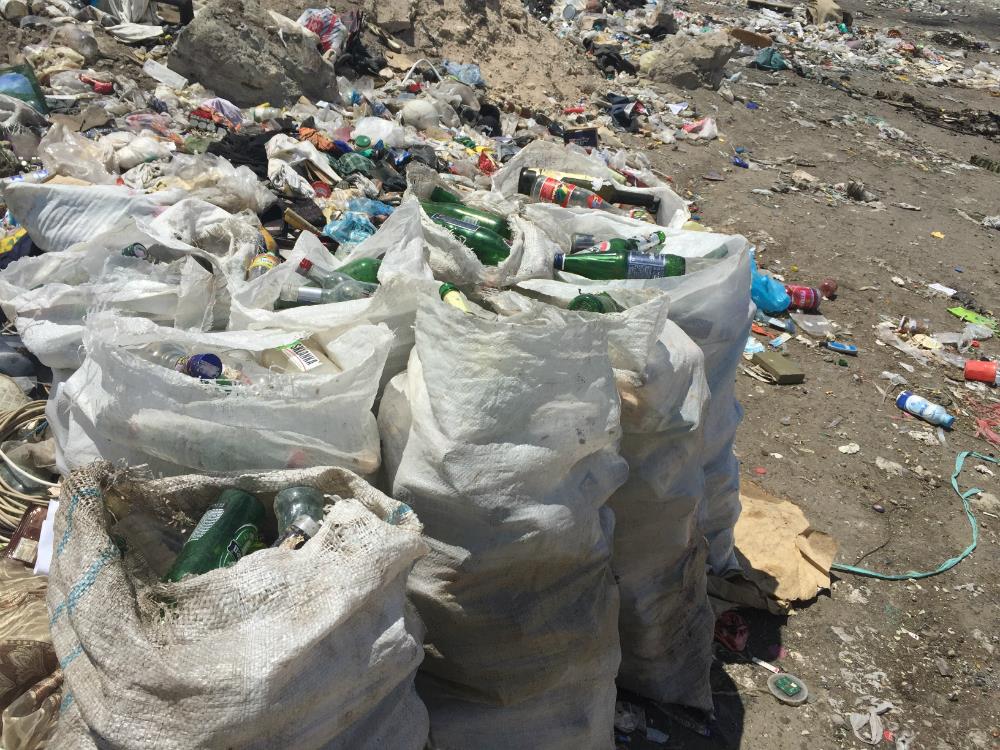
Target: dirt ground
929, 646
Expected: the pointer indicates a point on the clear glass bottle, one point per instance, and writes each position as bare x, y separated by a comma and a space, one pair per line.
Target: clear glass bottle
301, 356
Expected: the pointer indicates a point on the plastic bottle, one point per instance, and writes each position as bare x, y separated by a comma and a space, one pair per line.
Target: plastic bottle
596, 303
344, 291
551, 190
173, 356
226, 532
626, 265
489, 247
805, 298
473, 216
298, 357
927, 411
911, 326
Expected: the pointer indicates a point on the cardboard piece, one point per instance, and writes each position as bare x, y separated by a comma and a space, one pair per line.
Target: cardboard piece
784, 559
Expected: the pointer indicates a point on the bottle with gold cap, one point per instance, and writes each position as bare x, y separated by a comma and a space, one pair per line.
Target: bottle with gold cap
450, 294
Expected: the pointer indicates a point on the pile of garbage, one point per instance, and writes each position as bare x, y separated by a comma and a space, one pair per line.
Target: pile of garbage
659, 43
318, 348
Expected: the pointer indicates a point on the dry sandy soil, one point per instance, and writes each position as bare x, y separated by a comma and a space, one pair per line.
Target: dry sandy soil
930, 647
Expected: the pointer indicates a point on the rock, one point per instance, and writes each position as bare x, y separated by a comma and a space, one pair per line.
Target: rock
943, 668
229, 49
889, 467
986, 501
690, 62
394, 15
850, 448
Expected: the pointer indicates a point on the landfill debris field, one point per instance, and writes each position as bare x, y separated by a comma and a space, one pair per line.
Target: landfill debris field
587, 374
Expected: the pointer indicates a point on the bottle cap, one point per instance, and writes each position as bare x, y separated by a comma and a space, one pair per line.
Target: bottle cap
948, 422
984, 372
901, 399
447, 288
362, 141
304, 266
558, 261
204, 366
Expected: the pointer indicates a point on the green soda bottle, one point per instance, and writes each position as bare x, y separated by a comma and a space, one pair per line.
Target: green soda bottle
227, 530
482, 219
362, 269
621, 264
642, 244
440, 195
489, 247
596, 303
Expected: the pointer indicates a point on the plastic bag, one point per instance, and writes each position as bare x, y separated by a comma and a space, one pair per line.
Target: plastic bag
350, 229
767, 293
144, 659
66, 153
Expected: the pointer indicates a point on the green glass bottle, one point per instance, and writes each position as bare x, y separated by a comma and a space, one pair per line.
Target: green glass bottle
603, 187
483, 219
362, 269
622, 264
489, 247
440, 195
226, 532
596, 303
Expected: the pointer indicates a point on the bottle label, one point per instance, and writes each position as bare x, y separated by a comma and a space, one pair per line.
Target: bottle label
265, 261
554, 191
642, 266
300, 355
451, 221
238, 545
212, 515
600, 247
650, 241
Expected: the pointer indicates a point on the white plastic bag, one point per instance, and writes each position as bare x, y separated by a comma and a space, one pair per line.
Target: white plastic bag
120, 406
503, 437
64, 152
310, 648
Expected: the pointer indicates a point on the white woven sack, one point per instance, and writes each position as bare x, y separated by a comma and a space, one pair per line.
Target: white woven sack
119, 406
713, 307
665, 622
311, 648
503, 436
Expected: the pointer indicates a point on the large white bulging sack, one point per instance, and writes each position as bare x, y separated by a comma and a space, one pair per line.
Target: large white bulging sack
120, 406
308, 648
413, 245
713, 307
503, 436
666, 622
59, 216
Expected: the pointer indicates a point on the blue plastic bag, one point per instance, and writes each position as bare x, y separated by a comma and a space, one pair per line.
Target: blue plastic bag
768, 294
469, 74
350, 229
369, 207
